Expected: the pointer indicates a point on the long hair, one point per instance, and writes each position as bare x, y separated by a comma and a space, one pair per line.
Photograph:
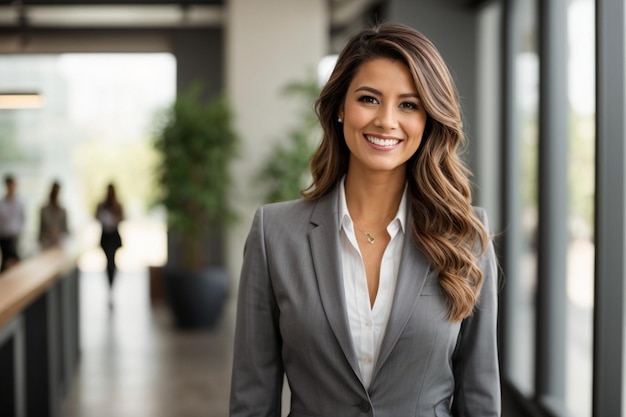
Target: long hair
444, 225
110, 200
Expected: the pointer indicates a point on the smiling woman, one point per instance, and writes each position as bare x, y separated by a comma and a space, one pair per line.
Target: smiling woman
372, 280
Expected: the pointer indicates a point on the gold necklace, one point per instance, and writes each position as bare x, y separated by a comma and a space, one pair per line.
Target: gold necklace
371, 237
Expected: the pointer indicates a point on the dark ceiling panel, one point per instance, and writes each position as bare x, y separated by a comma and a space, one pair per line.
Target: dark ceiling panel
469, 3
109, 2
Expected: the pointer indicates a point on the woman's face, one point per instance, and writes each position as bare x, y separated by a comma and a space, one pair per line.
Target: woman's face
383, 118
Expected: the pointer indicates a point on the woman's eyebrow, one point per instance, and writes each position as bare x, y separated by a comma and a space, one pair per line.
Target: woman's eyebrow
378, 93
369, 89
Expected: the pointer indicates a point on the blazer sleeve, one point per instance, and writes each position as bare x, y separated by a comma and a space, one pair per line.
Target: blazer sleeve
475, 362
257, 372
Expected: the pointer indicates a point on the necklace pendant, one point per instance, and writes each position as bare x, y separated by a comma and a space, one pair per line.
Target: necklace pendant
370, 238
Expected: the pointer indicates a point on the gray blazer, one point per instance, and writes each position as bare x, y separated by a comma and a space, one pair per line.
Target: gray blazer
291, 319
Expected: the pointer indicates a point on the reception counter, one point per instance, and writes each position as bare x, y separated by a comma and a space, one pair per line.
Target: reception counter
39, 334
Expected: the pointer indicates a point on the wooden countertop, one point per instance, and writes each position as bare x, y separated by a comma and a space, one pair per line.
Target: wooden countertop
22, 284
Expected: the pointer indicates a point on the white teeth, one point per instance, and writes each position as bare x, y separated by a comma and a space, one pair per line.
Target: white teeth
382, 142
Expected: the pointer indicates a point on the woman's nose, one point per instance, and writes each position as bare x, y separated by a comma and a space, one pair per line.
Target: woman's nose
386, 118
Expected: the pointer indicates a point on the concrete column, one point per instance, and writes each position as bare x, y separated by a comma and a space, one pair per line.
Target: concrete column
269, 43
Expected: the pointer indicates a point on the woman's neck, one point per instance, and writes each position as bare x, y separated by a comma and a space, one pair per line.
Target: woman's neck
373, 199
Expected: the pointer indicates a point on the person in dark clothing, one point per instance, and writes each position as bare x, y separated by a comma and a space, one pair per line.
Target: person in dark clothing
12, 220
110, 213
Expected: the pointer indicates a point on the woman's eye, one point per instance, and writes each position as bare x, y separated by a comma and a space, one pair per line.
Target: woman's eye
409, 105
368, 99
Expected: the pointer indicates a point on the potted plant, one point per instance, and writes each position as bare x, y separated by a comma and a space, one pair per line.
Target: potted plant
286, 172
196, 141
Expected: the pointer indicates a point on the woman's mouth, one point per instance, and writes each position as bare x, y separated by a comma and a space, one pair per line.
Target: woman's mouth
381, 142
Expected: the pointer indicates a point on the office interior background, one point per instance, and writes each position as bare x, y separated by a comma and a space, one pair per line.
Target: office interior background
544, 103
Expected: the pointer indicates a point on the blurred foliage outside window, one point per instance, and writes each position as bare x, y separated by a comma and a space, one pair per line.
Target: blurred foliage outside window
286, 172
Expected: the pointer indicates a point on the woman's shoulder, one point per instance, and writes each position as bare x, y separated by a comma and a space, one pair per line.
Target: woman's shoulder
286, 209
300, 211
481, 214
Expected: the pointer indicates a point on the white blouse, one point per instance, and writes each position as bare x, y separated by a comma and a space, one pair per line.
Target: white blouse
368, 324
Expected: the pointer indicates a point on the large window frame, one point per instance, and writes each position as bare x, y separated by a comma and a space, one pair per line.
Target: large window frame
609, 337
609, 365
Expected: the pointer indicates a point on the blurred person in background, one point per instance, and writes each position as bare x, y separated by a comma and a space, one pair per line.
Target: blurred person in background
12, 220
52, 220
110, 213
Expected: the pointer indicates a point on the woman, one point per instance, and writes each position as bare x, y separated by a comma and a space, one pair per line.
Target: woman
52, 220
376, 293
110, 213
12, 219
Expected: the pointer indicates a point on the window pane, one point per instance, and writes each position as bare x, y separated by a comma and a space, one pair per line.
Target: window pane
580, 278
523, 295
94, 127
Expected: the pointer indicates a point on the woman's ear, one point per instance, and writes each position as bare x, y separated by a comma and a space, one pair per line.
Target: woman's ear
340, 115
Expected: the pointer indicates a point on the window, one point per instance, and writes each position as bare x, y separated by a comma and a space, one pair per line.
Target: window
94, 127
520, 275
581, 250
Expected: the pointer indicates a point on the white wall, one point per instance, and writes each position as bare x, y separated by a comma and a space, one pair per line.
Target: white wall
268, 44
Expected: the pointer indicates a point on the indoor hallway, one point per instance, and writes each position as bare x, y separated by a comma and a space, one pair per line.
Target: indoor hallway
134, 363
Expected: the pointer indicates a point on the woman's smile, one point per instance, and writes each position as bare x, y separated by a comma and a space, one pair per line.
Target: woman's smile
382, 142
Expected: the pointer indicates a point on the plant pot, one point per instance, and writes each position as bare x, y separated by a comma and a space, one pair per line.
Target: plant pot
196, 298
155, 282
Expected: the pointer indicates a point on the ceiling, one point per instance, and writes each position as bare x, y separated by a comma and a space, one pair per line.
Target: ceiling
25, 24
33, 14
46, 14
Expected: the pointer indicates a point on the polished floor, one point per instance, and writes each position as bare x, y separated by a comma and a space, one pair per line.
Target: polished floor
135, 363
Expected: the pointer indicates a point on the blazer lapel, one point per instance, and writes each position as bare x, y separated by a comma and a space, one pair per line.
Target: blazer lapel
324, 241
412, 273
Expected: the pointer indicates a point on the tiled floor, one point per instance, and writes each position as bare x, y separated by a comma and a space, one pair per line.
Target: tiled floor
135, 363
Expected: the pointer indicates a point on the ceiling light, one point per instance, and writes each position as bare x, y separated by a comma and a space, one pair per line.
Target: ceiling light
107, 15
21, 100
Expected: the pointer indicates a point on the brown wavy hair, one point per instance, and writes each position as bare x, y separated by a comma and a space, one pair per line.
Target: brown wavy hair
443, 225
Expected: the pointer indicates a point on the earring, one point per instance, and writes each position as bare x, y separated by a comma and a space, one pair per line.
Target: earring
339, 120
